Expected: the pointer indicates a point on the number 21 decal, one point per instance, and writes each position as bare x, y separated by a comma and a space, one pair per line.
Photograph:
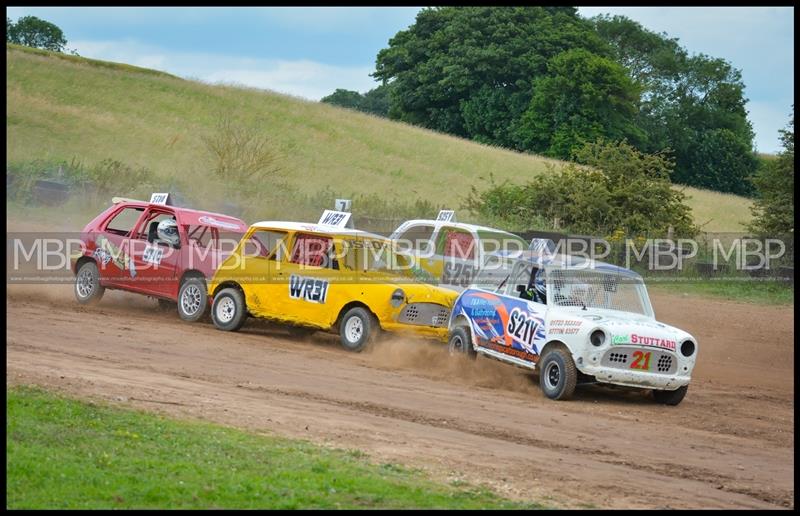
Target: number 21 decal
638, 356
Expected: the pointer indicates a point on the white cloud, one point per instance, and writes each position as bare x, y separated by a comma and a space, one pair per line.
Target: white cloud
303, 78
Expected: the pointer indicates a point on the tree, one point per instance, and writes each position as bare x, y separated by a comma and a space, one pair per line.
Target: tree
35, 32
773, 209
690, 104
375, 101
618, 189
344, 98
584, 97
468, 71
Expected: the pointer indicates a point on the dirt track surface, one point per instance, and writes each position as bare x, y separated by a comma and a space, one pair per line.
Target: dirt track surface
730, 444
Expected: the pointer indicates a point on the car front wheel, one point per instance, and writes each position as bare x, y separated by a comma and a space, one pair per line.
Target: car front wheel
460, 343
229, 311
87, 284
357, 329
557, 374
670, 397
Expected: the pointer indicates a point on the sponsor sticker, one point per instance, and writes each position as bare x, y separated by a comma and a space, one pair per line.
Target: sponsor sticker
644, 340
620, 339
522, 328
102, 256
310, 289
153, 255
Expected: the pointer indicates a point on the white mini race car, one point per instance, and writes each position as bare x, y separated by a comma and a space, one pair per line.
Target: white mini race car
574, 320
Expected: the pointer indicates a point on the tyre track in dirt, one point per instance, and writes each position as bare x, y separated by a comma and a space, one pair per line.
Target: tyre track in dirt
728, 445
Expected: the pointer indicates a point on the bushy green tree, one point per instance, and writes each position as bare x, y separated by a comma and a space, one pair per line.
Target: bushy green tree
344, 98
469, 71
615, 188
375, 101
773, 209
35, 32
584, 97
694, 105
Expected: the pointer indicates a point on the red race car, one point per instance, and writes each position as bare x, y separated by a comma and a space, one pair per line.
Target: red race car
156, 249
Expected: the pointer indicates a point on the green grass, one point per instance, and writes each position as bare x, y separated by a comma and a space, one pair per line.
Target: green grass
60, 107
743, 291
63, 453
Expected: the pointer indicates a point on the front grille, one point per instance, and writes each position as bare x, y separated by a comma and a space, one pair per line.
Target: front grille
425, 314
633, 359
621, 358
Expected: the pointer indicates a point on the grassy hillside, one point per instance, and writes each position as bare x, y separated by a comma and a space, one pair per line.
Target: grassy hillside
60, 107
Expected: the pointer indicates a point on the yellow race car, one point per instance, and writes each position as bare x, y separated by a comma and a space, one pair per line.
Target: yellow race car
325, 276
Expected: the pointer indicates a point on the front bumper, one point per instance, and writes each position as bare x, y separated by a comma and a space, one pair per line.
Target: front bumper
422, 331
424, 319
618, 365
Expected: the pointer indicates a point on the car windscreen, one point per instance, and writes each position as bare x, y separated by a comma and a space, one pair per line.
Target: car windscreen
593, 288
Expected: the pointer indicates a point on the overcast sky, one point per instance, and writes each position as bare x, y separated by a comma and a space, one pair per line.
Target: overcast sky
309, 52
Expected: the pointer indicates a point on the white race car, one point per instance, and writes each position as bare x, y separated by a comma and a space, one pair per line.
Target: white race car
574, 320
449, 253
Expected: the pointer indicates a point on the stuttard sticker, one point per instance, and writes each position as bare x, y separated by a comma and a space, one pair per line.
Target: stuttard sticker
339, 219
446, 216
160, 198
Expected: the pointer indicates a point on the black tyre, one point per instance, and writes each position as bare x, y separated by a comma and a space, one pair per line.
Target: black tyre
460, 343
88, 290
670, 397
557, 374
300, 332
229, 310
193, 299
357, 328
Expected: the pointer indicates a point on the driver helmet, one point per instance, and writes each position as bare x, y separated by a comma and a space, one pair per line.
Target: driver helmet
168, 231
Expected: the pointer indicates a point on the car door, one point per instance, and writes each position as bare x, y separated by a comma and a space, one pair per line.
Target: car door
513, 324
111, 247
525, 327
259, 271
156, 261
305, 279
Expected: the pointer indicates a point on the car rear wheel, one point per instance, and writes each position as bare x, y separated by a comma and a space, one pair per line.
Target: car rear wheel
460, 343
357, 328
88, 290
193, 299
670, 397
557, 374
229, 311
